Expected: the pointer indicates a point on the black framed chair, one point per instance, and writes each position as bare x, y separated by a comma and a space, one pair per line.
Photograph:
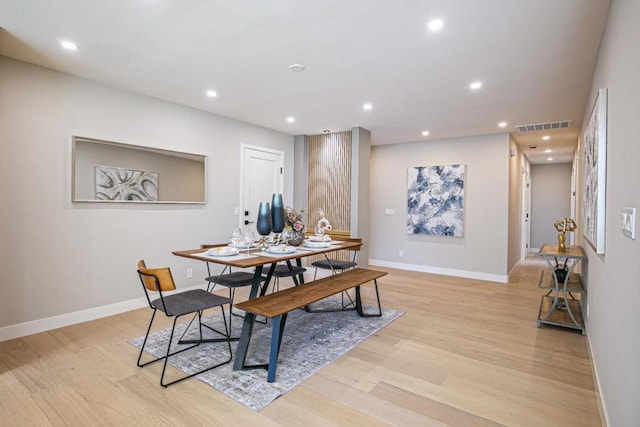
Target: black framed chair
195, 301
231, 281
338, 265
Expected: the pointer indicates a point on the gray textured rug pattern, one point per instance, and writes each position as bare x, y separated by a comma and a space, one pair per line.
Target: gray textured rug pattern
311, 341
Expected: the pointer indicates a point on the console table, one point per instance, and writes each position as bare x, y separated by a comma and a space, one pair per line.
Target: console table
559, 306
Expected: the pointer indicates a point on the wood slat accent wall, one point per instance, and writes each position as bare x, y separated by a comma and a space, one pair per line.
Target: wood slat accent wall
330, 180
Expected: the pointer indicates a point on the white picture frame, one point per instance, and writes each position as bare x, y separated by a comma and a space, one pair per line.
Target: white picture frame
594, 157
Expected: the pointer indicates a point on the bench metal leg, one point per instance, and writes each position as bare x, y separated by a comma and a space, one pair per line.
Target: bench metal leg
359, 308
276, 341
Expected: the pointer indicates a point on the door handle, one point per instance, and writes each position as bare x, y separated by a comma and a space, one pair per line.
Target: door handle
247, 222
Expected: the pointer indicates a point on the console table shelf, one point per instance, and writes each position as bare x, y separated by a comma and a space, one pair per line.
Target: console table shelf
560, 317
574, 284
559, 306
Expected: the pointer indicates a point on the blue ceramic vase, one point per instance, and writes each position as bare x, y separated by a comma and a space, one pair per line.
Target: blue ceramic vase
277, 213
263, 223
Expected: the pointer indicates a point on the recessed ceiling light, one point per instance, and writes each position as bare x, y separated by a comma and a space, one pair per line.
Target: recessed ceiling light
296, 68
367, 107
547, 151
502, 124
425, 133
291, 119
435, 24
549, 158
212, 93
326, 131
546, 138
69, 45
475, 85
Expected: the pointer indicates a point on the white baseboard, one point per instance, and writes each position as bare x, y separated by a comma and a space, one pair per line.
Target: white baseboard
67, 319
599, 396
444, 271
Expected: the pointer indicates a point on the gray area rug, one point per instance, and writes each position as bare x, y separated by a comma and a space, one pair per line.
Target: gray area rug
311, 341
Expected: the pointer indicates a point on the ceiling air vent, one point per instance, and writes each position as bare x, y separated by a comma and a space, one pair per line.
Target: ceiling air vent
564, 124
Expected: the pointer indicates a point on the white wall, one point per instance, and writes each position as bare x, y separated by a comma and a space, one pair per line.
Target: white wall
613, 279
360, 190
59, 257
482, 252
550, 200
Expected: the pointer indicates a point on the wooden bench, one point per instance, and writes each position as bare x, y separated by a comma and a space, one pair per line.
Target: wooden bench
277, 305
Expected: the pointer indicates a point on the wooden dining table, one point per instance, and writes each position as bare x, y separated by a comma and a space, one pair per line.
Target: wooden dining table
258, 259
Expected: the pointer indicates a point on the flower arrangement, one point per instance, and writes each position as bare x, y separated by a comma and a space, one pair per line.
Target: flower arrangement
293, 219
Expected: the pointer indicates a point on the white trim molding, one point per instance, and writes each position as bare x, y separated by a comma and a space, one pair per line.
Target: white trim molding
501, 278
599, 395
68, 319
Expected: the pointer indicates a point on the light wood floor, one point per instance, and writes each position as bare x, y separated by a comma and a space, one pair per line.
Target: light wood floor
466, 353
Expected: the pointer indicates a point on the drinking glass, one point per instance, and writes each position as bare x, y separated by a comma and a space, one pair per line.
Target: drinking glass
247, 239
236, 237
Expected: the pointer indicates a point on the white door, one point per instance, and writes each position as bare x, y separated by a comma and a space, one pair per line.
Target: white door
261, 176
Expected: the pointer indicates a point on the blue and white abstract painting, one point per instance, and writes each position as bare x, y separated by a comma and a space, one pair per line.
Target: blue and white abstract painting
436, 200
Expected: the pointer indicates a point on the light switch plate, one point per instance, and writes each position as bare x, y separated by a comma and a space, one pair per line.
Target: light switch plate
629, 222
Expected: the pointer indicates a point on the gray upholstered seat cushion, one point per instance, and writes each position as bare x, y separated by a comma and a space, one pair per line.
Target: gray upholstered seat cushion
282, 270
189, 302
337, 264
232, 280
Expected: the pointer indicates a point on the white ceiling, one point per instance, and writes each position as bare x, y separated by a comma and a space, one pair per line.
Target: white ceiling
534, 57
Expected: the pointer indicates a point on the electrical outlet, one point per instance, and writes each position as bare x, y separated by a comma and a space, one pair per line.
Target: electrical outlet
189, 273
401, 253
388, 211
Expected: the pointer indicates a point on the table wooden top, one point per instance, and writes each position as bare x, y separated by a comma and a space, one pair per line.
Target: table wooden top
551, 249
254, 261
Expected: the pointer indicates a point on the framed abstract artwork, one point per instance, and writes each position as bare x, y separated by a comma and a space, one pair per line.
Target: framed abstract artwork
125, 184
594, 157
436, 200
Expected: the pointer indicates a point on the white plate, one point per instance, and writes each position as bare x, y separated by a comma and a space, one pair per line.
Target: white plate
317, 245
241, 246
222, 251
281, 249
325, 238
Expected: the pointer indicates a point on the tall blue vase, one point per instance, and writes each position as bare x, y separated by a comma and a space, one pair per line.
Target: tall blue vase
277, 213
263, 223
